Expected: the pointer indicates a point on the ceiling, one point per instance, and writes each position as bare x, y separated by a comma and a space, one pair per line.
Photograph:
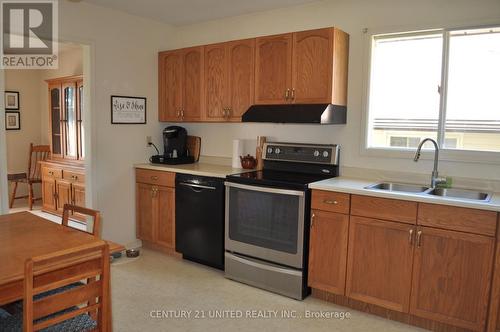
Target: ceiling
184, 12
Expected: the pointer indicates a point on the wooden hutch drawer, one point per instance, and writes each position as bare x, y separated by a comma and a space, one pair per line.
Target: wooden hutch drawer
74, 176
330, 201
458, 219
50, 172
155, 177
384, 208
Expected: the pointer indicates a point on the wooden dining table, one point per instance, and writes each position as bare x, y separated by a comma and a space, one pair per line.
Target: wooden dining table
24, 235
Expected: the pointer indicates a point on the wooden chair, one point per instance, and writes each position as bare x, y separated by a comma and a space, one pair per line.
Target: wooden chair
37, 153
96, 217
52, 301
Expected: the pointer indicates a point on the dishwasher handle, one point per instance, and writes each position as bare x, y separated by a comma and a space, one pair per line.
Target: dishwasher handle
196, 186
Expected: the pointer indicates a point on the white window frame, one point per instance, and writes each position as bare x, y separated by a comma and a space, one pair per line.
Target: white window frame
467, 156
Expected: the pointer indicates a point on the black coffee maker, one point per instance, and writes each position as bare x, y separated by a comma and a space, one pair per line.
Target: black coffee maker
175, 147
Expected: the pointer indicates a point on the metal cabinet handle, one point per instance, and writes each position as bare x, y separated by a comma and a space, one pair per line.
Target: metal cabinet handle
154, 192
229, 112
74, 177
182, 114
51, 173
293, 94
179, 113
287, 94
312, 220
419, 239
328, 201
410, 237
154, 178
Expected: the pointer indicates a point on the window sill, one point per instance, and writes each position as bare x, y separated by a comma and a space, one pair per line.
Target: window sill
461, 156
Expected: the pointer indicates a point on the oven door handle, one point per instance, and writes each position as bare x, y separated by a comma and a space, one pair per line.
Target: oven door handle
259, 265
265, 189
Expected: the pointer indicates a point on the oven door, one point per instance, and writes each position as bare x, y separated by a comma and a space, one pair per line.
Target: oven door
265, 223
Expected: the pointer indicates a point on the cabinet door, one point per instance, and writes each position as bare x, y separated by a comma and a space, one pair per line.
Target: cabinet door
312, 66
216, 82
70, 148
79, 121
55, 120
451, 277
273, 67
63, 188
241, 71
78, 196
49, 194
192, 84
328, 251
166, 217
170, 85
380, 259
145, 212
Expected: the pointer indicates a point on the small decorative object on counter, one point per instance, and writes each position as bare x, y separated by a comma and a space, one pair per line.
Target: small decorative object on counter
248, 162
258, 153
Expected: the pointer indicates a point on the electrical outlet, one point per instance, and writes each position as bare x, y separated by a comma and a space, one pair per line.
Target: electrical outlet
149, 141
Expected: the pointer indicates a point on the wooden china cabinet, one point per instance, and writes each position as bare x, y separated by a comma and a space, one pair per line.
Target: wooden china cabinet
63, 176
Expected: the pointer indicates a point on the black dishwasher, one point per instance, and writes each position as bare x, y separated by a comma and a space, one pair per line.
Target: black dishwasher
199, 219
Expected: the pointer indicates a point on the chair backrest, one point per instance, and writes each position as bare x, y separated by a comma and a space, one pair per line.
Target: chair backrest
96, 217
53, 271
37, 153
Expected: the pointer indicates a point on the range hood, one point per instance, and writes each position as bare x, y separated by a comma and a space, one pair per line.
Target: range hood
297, 113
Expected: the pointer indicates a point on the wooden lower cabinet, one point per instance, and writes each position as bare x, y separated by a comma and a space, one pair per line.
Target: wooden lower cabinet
451, 277
62, 184
155, 208
328, 251
380, 259
49, 194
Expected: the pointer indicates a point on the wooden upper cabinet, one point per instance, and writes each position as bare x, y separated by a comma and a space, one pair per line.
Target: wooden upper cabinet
192, 83
170, 85
328, 251
66, 111
451, 277
312, 63
229, 79
241, 71
379, 263
307, 67
273, 69
216, 81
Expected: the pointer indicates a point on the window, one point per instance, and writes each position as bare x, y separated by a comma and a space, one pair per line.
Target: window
440, 84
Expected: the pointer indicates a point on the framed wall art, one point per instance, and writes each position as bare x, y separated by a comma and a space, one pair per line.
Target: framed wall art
11, 100
12, 121
128, 110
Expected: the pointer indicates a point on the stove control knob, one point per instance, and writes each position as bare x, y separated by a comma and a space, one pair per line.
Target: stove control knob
325, 154
316, 153
277, 151
269, 150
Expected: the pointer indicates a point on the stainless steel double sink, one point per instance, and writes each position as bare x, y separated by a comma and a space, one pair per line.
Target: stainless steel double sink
454, 193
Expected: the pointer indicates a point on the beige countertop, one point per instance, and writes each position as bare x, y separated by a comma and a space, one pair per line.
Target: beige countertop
199, 168
357, 186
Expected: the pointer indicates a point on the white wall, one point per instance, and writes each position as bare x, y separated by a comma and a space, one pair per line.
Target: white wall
351, 16
124, 52
26, 82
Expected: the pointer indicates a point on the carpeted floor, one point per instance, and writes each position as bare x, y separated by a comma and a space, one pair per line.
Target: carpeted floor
159, 293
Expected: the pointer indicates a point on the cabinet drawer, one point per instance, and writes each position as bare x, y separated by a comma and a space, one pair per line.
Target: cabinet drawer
155, 177
74, 176
49, 172
458, 219
330, 201
383, 208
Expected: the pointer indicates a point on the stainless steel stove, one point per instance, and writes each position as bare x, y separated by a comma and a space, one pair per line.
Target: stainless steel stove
267, 217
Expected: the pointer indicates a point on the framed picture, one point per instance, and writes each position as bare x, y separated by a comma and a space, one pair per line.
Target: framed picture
11, 100
12, 121
128, 110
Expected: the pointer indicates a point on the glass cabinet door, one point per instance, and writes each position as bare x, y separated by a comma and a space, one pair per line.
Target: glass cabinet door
70, 120
81, 131
55, 119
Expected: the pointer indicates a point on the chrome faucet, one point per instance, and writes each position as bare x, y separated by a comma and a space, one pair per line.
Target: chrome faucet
435, 179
